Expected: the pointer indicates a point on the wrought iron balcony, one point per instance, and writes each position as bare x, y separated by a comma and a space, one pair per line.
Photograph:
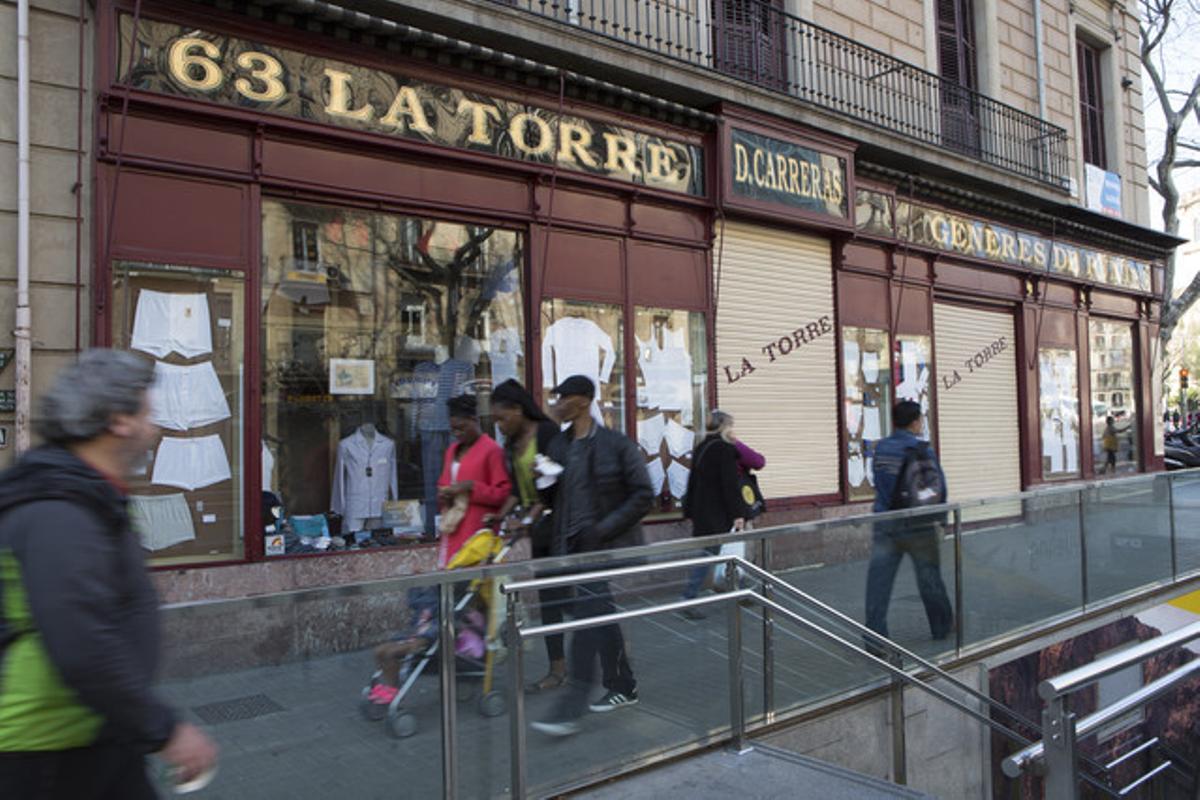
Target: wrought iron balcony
754, 41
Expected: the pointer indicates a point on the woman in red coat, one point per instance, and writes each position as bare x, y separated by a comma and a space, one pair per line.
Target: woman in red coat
474, 471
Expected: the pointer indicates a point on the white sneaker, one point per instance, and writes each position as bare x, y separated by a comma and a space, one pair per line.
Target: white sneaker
558, 728
613, 701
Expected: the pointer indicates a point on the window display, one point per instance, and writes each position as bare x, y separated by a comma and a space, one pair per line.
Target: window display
371, 322
1114, 405
586, 339
866, 359
672, 360
189, 321
913, 364
1059, 390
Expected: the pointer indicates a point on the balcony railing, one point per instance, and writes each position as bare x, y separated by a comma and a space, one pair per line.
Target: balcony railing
757, 42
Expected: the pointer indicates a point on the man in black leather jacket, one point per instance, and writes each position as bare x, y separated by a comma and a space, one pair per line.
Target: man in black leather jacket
600, 499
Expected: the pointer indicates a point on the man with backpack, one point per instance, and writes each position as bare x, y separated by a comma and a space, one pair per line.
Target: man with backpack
907, 475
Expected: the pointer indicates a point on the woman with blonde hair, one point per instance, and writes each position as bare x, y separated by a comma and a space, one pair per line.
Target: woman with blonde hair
713, 501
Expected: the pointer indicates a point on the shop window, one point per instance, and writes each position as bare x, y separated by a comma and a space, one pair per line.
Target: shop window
187, 501
672, 361
1114, 406
914, 360
359, 357
866, 358
586, 339
1059, 392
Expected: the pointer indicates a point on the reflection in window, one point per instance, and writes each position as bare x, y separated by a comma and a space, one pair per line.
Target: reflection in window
913, 359
671, 408
360, 354
1114, 404
866, 358
1059, 391
187, 504
586, 339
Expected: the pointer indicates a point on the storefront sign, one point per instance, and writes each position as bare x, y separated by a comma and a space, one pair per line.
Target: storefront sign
772, 170
782, 347
3, 437
975, 238
5, 358
8, 401
973, 362
249, 75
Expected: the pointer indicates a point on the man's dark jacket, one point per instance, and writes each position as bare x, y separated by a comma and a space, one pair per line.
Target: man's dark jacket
88, 608
620, 487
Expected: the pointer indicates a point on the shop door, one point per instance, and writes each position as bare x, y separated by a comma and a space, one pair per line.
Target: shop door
978, 436
776, 355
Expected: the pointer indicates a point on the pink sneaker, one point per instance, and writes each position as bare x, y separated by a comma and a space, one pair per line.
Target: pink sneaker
383, 694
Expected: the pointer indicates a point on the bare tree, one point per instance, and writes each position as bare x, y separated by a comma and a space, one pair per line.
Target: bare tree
1179, 98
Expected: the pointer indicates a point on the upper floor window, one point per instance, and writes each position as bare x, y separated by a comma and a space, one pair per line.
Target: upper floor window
1091, 105
957, 52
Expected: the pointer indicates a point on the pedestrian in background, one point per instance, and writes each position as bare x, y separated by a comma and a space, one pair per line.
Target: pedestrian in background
907, 475
714, 501
79, 627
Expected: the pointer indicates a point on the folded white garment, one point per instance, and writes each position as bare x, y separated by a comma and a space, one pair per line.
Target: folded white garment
191, 463
162, 520
679, 439
167, 322
677, 478
650, 433
186, 397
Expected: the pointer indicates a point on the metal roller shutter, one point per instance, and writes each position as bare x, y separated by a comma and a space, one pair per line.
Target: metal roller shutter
979, 439
778, 285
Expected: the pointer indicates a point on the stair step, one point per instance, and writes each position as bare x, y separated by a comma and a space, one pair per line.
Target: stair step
763, 772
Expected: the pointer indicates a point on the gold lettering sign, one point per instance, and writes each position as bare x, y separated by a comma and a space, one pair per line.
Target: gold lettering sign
785, 173
175, 60
988, 241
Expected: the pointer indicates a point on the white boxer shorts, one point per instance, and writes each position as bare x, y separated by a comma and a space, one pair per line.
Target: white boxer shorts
191, 463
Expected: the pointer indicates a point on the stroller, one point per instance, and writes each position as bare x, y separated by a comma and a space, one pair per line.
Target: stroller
477, 640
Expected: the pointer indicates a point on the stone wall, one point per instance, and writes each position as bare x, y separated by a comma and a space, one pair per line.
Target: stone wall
55, 35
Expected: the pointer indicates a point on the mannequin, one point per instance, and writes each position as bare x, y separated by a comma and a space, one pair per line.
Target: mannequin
363, 478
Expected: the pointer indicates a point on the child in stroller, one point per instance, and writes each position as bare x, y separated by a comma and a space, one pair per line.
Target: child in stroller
476, 614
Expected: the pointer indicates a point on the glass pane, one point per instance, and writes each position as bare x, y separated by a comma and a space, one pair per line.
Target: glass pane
187, 503
913, 358
866, 356
279, 709
586, 339
1114, 399
1059, 387
1021, 568
1185, 505
1128, 530
371, 323
678, 665
671, 396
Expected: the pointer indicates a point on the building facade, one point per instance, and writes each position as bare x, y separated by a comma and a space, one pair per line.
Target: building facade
321, 221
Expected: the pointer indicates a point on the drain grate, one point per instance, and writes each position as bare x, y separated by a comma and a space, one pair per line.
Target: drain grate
239, 708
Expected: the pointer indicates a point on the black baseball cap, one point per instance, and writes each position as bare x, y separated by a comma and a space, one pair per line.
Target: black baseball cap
576, 385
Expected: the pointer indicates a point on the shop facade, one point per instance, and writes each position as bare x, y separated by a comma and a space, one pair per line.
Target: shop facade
319, 241
319, 246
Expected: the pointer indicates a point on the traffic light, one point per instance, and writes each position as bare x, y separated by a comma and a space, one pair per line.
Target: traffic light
1183, 379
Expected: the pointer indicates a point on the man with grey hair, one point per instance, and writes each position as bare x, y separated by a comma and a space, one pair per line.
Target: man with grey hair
79, 632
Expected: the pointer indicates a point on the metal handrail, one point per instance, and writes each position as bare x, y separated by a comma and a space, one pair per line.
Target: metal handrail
1029, 757
1056, 687
514, 588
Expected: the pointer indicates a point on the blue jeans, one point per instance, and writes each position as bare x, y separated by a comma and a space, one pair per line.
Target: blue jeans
890, 542
698, 574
